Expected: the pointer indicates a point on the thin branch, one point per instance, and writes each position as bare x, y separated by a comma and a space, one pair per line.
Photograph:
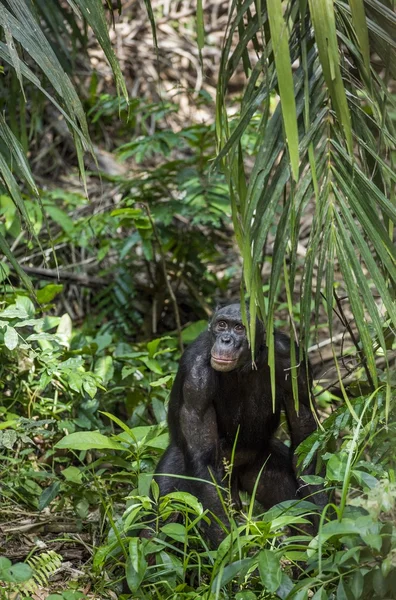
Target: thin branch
359, 351
167, 280
81, 278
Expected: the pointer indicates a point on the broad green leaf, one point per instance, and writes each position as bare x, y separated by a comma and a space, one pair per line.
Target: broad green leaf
336, 466
356, 584
88, 440
16, 573
152, 364
136, 564
191, 332
11, 338
60, 217
246, 595
270, 570
321, 594
65, 327
8, 438
162, 381
188, 499
72, 474
48, 292
48, 495
90, 386
104, 368
161, 442
231, 571
176, 531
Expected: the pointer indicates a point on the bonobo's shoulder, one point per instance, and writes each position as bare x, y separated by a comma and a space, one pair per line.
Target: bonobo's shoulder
198, 352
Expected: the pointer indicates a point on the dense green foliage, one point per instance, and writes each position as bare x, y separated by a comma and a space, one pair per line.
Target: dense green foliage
87, 360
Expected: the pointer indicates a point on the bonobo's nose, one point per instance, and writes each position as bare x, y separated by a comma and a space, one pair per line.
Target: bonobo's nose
226, 339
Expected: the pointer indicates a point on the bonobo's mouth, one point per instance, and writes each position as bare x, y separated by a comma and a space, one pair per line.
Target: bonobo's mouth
223, 364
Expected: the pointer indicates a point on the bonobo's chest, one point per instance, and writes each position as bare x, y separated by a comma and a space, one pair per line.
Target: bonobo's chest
244, 402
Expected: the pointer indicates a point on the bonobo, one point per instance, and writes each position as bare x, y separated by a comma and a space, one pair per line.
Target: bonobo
220, 396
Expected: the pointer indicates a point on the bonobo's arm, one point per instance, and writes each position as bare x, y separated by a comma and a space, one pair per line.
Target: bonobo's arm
301, 422
198, 425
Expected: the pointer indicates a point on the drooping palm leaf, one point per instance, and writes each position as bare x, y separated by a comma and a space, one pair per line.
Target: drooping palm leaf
346, 136
21, 23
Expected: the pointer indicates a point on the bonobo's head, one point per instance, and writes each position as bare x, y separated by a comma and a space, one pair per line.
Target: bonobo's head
230, 348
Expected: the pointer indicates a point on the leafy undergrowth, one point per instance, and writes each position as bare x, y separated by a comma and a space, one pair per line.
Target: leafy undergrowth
82, 427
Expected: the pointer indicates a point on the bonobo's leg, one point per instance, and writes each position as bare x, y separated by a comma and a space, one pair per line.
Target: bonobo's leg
172, 463
277, 482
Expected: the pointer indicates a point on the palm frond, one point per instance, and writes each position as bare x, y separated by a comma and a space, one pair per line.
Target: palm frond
346, 174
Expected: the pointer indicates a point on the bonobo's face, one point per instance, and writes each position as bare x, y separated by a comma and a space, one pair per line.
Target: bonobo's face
230, 346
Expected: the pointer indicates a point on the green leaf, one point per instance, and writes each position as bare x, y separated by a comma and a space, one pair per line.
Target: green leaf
321, 594
280, 47
152, 364
94, 14
285, 587
48, 495
65, 327
356, 584
5, 249
88, 440
82, 508
26, 30
336, 467
73, 595
48, 293
8, 438
10, 338
136, 565
72, 474
161, 442
188, 499
323, 19
343, 593
191, 332
270, 570
60, 217
176, 531
200, 25
104, 368
238, 567
90, 386
103, 341
360, 24
162, 381
245, 596
16, 573
313, 479
4, 271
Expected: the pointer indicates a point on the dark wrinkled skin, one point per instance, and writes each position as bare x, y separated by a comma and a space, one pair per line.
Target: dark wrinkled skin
218, 390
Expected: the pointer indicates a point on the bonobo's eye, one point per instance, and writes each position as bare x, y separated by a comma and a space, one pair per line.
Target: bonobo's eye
239, 328
221, 325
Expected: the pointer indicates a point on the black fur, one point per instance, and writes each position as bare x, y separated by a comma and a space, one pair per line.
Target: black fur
219, 394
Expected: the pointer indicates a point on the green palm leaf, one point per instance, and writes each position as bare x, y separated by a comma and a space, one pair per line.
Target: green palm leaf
346, 174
